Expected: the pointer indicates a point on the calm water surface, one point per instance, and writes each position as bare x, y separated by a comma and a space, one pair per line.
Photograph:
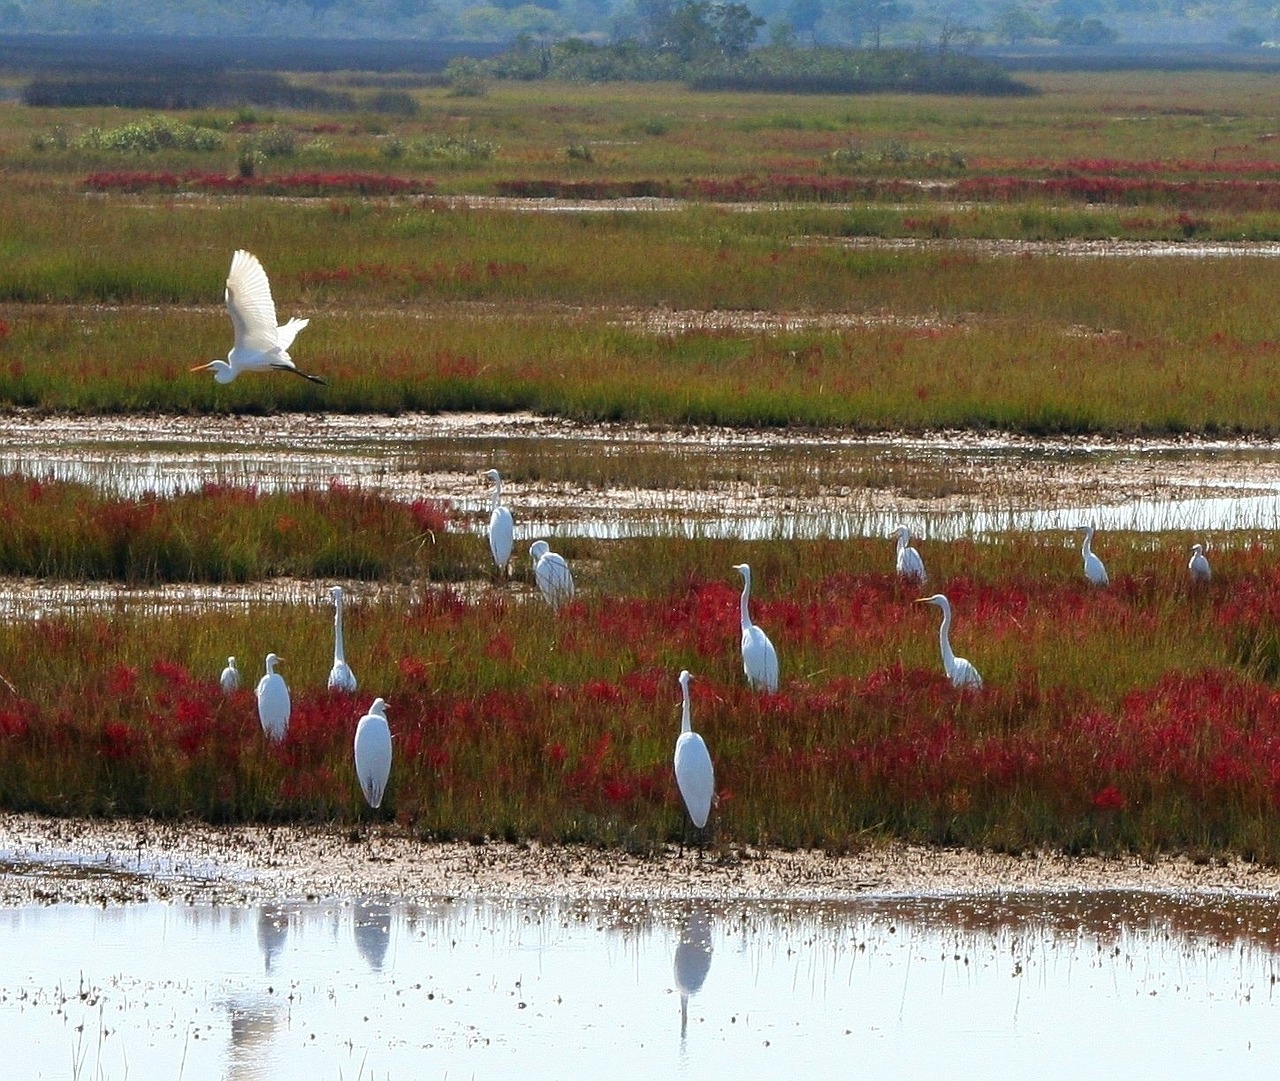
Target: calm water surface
1118, 984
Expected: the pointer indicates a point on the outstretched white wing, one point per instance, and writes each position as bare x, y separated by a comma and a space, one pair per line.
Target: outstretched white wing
249, 303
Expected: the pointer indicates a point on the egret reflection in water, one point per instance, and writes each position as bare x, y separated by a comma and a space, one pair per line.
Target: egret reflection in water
372, 927
693, 960
273, 929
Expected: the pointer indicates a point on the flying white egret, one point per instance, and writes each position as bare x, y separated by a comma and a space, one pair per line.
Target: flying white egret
695, 776
261, 345
273, 701
230, 678
1199, 565
502, 530
341, 678
910, 565
1093, 568
552, 573
373, 753
959, 671
759, 658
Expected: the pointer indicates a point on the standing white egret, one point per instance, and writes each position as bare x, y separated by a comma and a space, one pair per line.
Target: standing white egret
230, 678
502, 530
260, 345
1093, 568
341, 678
959, 671
910, 566
1199, 565
759, 658
373, 753
273, 701
695, 776
552, 573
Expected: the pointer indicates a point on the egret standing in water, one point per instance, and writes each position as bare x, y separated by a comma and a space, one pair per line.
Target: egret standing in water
341, 678
959, 671
695, 776
552, 573
229, 681
909, 564
260, 345
1093, 568
373, 753
1199, 565
273, 701
502, 529
759, 658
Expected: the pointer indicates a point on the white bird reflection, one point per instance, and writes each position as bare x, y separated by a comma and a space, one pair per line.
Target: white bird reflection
692, 960
254, 1022
273, 929
372, 928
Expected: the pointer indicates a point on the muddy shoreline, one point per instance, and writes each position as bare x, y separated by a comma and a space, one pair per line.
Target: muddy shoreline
101, 862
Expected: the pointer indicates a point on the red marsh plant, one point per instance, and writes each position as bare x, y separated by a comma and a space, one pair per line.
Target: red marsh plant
1140, 717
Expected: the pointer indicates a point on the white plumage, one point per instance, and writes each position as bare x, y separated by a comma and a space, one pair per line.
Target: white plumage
341, 678
502, 530
695, 776
229, 681
759, 658
959, 671
1093, 568
373, 753
1199, 565
909, 564
274, 706
552, 573
260, 345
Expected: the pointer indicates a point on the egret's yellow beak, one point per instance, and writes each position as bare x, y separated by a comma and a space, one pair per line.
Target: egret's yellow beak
202, 367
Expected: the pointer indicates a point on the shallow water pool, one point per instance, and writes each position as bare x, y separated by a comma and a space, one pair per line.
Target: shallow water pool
1048, 985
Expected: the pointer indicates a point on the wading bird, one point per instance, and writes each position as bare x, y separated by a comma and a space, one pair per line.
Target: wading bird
1093, 568
373, 753
273, 701
1199, 565
552, 573
260, 345
759, 658
230, 678
910, 565
959, 671
502, 529
695, 776
341, 678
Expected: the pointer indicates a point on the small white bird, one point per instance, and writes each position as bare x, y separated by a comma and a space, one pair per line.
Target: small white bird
273, 701
552, 573
910, 565
1199, 565
230, 678
959, 671
260, 345
759, 658
502, 530
341, 678
373, 753
695, 776
1093, 568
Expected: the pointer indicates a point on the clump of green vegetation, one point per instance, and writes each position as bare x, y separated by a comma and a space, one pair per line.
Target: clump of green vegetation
150, 136
441, 149
898, 157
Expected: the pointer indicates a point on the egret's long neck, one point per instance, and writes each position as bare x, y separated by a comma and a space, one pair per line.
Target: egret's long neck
497, 494
686, 719
743, 603
902, 540
338, 653
944, 640
1087, 547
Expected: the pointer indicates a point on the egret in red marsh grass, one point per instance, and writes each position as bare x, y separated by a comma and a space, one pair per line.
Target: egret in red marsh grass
759, 658
230, 678
1199, 565
910, 565
341, 678
260, 345
273, 701
1093, 568
959, 671
502, 529
373, 753
552, 573
695, 776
